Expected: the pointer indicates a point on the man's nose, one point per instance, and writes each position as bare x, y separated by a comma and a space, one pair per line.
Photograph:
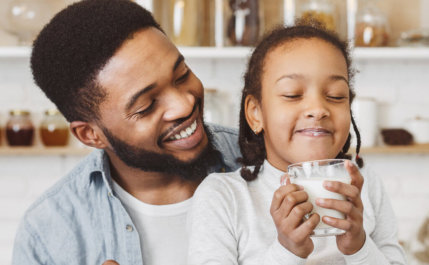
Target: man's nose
179, 104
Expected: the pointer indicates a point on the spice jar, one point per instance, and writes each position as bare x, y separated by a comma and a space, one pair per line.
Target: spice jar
321, 11
371, 28
19, 128
54, 129
244, 22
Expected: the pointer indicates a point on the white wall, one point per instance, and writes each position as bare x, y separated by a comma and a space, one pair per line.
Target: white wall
401, 87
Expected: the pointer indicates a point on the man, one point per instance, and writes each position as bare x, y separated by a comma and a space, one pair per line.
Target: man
126, 90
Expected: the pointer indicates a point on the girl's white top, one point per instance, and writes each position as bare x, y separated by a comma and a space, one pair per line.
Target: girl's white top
230, 223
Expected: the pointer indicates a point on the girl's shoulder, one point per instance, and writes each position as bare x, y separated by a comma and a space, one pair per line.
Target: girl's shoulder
222, 183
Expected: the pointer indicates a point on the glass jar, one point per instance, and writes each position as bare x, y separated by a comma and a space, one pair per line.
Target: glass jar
371, 28
321, 11
212, 106
25, 18
181, 20
54, 129
244, 22
19, 128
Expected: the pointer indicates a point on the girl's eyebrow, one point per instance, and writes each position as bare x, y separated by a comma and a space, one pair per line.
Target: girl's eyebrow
291, 76
338, 77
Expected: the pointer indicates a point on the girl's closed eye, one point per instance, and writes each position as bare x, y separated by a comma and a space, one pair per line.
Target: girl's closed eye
183, 78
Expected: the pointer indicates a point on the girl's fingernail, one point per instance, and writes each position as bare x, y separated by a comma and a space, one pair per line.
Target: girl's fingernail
320, 201
327, 184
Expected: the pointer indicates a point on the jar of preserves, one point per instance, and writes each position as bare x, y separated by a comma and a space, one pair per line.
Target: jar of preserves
244, 24
371, 28
320, 11
54, 129
19, 128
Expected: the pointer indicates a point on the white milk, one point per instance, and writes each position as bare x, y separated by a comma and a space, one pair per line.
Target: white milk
311, 176
314, 188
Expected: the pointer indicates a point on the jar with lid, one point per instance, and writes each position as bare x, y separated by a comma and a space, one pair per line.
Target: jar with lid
244, 22
19, 128
54, 129
320, 11
213, 112
371, 28
181, 20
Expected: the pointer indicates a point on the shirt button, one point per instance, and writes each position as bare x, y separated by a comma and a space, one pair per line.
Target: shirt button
129, 228
109, 194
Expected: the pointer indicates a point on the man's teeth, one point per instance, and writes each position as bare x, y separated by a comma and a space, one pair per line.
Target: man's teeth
186, 132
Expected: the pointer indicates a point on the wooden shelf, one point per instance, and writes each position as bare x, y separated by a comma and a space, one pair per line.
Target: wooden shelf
44, 151
384, 53
399, 149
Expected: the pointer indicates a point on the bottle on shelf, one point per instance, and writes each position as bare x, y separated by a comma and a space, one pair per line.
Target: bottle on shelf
181, 20
371, 29
320, 11
19, 128
244, 21
54, 129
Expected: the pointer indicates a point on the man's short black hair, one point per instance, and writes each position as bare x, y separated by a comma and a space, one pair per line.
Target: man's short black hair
76, 44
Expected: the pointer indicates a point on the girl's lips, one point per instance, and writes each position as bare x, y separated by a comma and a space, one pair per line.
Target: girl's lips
314, 132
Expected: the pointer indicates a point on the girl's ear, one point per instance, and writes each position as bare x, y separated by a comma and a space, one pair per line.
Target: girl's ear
252, 112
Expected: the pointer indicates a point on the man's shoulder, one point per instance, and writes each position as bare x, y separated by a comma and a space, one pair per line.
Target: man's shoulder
67, 191
222, 130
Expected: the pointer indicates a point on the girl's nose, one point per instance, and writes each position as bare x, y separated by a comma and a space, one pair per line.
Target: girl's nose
179, 105
316, 109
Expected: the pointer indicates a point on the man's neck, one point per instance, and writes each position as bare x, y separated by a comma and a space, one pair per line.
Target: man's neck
151, 187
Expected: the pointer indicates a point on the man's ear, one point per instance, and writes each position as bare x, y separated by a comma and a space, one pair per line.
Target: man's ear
89, 134
253, 114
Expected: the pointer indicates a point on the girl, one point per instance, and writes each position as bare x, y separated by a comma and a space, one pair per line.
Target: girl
295, 107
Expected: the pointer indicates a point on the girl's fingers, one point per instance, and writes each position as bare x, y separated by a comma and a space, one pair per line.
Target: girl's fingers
290, 201
343, 224
298, 213
345, 207
280, 194
307, 227
357, 179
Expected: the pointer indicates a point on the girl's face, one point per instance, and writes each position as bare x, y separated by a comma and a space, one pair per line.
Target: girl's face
304, 110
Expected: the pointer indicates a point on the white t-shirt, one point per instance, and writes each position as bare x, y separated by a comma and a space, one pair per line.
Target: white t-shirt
230, 223
161, 228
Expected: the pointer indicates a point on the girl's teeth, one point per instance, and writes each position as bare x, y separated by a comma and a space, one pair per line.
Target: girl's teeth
189, 131
183, 134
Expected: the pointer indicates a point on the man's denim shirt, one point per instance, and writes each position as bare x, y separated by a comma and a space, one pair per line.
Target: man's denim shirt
80, 220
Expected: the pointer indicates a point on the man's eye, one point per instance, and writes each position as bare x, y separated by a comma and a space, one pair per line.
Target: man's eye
146, 111
183, 77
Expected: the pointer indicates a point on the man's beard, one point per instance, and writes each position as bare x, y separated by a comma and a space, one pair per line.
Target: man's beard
194, 170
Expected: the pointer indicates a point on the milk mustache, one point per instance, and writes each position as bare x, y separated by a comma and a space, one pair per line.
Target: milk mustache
311, 176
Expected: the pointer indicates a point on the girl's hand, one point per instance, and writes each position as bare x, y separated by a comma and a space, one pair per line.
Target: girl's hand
288, 208
354, 238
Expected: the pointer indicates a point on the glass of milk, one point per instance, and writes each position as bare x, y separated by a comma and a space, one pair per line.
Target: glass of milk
311, 175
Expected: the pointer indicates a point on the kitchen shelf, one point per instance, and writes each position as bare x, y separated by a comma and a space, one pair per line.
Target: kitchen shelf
384, 53
44, 151
399, 149
82, 151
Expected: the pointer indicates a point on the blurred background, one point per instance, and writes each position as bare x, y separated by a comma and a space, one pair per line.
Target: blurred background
390, 42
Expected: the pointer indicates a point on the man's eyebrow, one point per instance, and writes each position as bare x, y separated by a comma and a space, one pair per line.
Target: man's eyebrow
179, 60
137, 95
